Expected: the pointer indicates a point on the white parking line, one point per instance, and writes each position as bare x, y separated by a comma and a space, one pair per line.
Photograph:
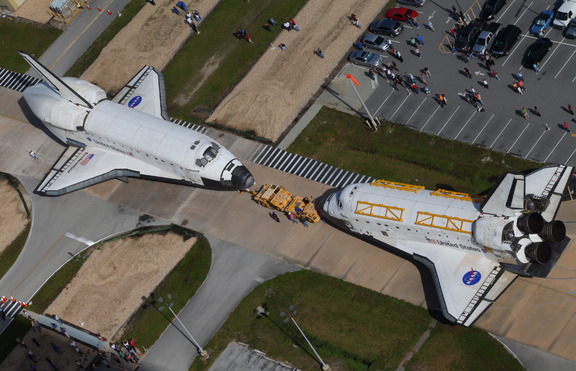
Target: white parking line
494, 142
553, 149
389, 95
463, 126
551, 54
512, 146
504, 12
568, 159
541, 135
427, 121
487, 122
522, 15
416, 110
447, 121
564, 65
400, 106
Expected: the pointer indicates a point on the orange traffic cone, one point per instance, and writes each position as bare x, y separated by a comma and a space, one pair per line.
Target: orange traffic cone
89, 7
109, 12
99, 9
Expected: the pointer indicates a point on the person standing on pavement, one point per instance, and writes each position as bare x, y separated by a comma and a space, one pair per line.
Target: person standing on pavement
420, 40
485, 83
524, 113
537, 111
443, 101
570, 110
495, 74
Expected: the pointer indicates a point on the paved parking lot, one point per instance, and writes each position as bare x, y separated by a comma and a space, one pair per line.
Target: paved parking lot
500, 126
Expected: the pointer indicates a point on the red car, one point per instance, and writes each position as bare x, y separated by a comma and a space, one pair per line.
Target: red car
401, 14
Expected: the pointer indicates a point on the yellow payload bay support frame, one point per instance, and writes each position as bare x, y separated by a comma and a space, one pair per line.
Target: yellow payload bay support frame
450, 223
398, 186
457, 195
379, 211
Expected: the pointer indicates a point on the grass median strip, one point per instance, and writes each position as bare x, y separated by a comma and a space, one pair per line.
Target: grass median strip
12, 251
17, 35
401, 154
90, 55
210, 65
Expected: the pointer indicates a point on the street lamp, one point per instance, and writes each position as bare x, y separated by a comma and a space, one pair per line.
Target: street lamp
203, 353
353, 81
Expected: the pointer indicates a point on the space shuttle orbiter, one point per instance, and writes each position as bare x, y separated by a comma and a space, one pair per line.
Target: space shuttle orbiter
473, 246
128, 136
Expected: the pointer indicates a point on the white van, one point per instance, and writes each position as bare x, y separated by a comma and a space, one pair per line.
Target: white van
564, 15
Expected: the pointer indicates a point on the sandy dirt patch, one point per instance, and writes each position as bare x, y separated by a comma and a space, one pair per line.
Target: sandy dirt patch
12, 214
270, 96
115, 277
35, 10
152, 38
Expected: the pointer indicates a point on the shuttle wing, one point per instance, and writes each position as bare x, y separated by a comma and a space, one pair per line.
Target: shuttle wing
78, 168
544, 186
466, 284
145, 92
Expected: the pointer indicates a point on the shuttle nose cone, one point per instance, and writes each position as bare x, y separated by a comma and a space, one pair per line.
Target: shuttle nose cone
242, 178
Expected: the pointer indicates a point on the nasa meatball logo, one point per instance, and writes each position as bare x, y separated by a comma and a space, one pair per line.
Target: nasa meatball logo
471, 278
135, 101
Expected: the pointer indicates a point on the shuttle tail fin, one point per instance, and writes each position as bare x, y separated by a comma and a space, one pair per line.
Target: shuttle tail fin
55, 82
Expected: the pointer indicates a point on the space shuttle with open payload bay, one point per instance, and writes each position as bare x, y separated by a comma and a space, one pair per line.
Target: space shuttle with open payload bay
128, 136
473, 246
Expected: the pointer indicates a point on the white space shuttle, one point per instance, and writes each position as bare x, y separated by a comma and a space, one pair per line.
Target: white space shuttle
128, 136
473, 246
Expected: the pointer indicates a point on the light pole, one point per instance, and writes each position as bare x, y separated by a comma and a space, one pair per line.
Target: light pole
325, 367
353, 81
203, 353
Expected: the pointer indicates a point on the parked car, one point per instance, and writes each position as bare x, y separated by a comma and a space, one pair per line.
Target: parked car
486, 38
571, 30
467, 37
564, 14
491, 8
365, 58
387, 27
401, 14
542, 22
375, 42
505, 40
536, 52
414, 3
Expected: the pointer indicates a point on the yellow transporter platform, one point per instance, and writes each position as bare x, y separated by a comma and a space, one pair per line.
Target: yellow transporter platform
276, 197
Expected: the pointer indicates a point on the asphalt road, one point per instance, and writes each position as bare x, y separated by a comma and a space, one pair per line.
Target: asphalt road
235, 271
500, 127
79, 35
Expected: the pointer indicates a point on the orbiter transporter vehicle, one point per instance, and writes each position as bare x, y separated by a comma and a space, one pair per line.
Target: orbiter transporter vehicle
128, 136
473, 246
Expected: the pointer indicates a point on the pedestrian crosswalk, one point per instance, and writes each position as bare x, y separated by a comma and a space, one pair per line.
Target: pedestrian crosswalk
198, 128
16, 81
306, 167
9, 308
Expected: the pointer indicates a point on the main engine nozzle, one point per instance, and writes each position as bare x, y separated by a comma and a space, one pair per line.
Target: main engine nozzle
554, 231
531, 223
539, 252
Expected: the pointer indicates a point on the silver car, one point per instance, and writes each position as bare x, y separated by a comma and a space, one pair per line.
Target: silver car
414, 3
486, 38
365, 58
375, 42
571, 30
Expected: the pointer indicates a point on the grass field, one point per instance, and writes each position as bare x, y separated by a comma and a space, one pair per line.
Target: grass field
31, 38
207, 68
148, 323
400, 154
12, 251
351, 327
90, 55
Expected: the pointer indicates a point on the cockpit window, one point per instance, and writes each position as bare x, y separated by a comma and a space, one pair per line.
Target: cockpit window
209, 154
